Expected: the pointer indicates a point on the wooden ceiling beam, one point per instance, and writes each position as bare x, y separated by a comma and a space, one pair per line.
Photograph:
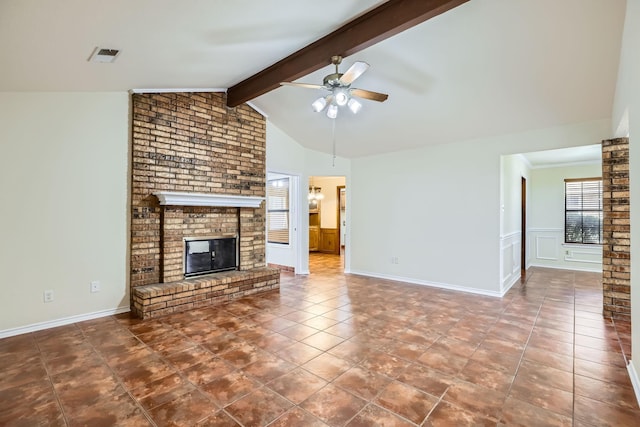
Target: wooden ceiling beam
378, 24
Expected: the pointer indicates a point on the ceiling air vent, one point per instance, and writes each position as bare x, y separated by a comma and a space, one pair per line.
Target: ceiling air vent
103, 55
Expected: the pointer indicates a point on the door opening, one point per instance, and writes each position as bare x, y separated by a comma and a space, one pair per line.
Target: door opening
523, 229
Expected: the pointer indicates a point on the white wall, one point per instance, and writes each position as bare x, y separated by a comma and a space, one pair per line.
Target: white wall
626, 121
513, 169
437, 209
63, 216
546, 221
285, 156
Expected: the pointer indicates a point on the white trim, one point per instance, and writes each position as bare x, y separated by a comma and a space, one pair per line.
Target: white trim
567, 164
633, 375
510, 235
544, 230
178, 198
431, 284
505, 289
524, 159
566, 267
258, 110
61, 322
178, 90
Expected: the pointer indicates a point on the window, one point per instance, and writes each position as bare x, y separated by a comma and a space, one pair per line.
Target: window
583, 211
278, 211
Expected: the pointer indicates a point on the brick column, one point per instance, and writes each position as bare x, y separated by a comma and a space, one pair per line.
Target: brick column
616, 254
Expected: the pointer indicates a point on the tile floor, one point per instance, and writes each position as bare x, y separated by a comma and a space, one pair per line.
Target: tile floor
335, 349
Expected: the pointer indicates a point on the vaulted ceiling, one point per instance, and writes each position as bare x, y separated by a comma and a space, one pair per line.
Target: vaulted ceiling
486, 67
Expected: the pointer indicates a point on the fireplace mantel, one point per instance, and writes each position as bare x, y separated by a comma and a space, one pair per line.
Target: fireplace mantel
177, 198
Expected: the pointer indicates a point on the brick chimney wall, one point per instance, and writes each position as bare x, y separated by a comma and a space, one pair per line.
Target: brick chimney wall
192, 142
616, 253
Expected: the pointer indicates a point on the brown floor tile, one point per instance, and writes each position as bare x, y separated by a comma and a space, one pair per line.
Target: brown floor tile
297, 417
299, 353
297, 385
426, 379
362, 382
162, 391
549, 358
519, 413
443, 361
373, 415
597, 413
480, 373
230, 387
606, 392
327, 366
219, 419
546, 375
323, 340
599, 356
470, 351
298, 332
258, 408
333, 405
476, 399
553, 399
504, 362
268, 368
598, 371
447, 415
189, 357
207, 370
385, 364
187, 409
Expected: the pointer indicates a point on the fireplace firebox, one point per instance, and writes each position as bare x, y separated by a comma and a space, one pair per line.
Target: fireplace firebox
209, 255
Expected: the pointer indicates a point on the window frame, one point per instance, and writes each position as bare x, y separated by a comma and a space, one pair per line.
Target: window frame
583, 210
286, 211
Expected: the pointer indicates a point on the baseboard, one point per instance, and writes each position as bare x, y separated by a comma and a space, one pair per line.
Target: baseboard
633, 375
61, 322
509, 286
431, 284
564, 267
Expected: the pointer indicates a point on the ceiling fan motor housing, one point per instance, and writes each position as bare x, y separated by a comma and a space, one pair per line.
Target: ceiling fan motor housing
332, 80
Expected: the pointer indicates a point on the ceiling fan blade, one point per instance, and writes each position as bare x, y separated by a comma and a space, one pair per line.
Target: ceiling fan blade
353, 72
304, 85
367, 94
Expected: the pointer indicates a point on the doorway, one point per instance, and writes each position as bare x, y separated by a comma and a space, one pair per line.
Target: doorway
327, 223
523, 229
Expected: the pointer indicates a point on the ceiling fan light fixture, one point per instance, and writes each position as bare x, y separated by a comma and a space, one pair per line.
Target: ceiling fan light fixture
354, 105
341, 97
332, 111
319, 104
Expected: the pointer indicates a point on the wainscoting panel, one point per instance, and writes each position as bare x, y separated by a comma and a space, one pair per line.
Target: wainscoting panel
547, 249
509, 260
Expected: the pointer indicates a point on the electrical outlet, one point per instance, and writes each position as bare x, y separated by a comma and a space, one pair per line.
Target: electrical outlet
48, 295
95, 286
394, 260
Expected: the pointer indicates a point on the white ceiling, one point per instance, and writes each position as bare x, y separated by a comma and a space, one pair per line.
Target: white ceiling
588, 154
488, 67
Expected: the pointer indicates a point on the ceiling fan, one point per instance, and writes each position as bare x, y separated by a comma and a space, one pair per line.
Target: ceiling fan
340, 91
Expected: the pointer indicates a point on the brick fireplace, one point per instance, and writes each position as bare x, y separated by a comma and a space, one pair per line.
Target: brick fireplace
198, 170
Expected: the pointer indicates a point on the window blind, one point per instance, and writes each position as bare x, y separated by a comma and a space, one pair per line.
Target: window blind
278, 211
583, 211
